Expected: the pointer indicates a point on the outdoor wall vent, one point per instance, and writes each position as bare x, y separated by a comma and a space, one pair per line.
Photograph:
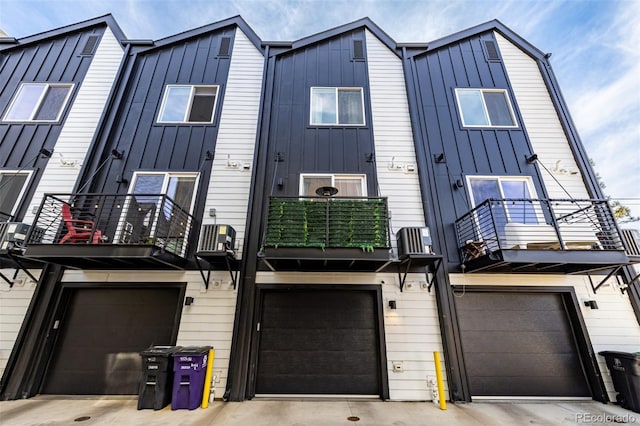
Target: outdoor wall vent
90, 46
491, 50
358, 50
225, 46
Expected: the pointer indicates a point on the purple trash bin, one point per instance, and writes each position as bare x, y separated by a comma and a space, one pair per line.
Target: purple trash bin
190, 369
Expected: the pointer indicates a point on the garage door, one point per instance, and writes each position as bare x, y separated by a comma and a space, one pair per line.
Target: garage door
319, 342
519, 344
101, 334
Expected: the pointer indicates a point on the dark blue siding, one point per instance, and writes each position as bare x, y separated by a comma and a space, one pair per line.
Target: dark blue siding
317, 149
468, 151
53, 60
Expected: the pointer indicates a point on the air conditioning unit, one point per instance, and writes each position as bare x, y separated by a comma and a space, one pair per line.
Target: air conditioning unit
631, 238
12, 233
217, 238
414, 240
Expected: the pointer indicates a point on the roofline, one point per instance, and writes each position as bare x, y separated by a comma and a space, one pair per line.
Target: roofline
332, 32
233, 21
493, 25
107, 20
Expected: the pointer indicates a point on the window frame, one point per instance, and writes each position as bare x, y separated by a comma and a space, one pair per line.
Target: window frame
337, 90
38, 104
528, 180
22, 192
332, 176
187, 112
485, 110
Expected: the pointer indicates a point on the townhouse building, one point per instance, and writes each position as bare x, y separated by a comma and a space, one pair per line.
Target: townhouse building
326, 213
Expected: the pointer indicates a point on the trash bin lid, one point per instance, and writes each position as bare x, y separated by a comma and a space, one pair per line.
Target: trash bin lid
160, 350
193, 350
632, 356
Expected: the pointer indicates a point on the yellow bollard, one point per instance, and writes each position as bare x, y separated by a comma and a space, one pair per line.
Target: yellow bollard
443, 402
207, 380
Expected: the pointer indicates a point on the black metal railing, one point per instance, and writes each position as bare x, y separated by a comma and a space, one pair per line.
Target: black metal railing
499, 224
336, 222
125, 219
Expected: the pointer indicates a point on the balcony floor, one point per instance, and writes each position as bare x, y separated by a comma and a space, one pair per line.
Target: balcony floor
105, 256
547, 261
328, 260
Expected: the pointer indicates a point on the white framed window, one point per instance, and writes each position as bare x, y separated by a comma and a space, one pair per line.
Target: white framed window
13, 186
348, 185
483, 188
38, 102
485, 108
342, 106
188, 104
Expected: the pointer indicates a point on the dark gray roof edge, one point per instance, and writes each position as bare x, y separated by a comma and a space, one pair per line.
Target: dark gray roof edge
333, 32
493, 25
234, 20
107, 20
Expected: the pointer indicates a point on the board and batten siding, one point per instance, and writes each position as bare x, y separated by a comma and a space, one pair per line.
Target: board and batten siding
393, 136
206, 322
14, 303
540, 117
229, 185
611, 327
81, 123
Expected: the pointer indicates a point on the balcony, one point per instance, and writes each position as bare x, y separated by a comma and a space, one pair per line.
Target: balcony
537, 236
327, 234
102, 231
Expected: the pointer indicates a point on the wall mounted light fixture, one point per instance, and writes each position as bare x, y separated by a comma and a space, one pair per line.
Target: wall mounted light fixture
531, 158
591, 304
392, 304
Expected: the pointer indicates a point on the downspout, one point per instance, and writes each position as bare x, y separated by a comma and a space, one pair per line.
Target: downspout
448, 320
238, 374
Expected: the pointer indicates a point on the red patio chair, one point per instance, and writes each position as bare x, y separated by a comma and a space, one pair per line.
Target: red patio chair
79, 230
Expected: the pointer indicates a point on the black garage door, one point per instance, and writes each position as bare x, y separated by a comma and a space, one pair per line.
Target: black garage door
319, 342
101, 334
519, 344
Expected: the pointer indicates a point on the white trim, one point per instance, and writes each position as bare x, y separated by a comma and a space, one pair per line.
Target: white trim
337, 123
23, 191
484, 107
187, 111
39, 102
333, 176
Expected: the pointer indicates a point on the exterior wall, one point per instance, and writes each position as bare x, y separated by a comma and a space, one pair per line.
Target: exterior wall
613, 326
228, 190
540, 118
80, 125
208, 321
14, 303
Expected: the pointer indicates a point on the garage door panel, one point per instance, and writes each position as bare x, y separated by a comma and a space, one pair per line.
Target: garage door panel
519, 344
101, 334
318, 342
502, 341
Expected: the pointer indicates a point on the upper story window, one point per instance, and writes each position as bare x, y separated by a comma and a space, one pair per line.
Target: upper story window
347, 185
485, 108
13, 185
188, 104
38, 102
507, 187
337, 106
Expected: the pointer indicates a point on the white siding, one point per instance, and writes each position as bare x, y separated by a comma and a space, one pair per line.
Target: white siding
393, 136
412, 331
229, 187
613, 326
542, 123
207, 322
13, 307
81, 123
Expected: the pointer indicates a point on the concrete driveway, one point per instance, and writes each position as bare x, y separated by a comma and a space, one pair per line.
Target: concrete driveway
123, 411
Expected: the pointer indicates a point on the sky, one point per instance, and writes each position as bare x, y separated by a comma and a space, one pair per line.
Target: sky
595, 47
